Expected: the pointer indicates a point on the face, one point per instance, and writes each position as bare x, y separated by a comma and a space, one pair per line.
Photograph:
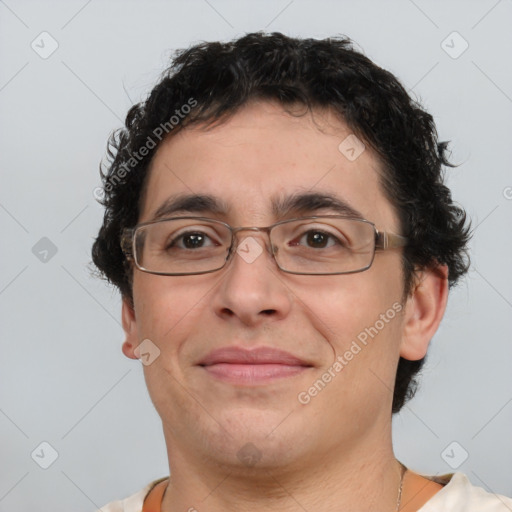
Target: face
247, 354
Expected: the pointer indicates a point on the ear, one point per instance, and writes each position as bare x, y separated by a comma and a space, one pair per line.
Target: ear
131, 342
424, 310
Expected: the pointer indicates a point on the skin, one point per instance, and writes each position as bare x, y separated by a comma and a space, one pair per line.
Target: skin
334, 453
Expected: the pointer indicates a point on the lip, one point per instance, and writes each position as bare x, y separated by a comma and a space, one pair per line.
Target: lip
238, 365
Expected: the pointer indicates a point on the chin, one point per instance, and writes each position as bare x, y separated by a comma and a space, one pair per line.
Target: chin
254, 439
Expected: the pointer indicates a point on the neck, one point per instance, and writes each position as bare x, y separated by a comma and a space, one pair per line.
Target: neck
363, 480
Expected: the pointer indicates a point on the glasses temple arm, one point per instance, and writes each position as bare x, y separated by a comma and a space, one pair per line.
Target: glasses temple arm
126, 242
385, 240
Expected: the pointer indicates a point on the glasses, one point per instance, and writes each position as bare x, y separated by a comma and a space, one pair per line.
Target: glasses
326, 245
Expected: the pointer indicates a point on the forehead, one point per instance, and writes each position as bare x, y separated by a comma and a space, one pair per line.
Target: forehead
260, 157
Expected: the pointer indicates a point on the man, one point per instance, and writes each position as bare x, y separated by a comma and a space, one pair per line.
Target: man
278, 227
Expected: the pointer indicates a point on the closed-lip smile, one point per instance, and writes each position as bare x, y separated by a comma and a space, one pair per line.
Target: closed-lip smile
259, 365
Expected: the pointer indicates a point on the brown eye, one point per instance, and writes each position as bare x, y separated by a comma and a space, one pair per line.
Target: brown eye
317, 239
193, 240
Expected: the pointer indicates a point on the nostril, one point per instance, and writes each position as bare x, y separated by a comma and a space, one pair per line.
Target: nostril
268, 312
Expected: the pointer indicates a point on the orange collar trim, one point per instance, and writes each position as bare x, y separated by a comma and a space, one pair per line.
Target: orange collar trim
153, 501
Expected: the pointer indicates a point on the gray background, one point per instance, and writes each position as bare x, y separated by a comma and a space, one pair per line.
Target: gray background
63, 377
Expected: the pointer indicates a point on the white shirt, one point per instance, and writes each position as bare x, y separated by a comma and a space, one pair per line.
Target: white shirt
458, 495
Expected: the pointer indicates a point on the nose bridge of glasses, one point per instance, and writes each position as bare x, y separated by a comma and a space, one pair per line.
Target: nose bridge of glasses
237, 239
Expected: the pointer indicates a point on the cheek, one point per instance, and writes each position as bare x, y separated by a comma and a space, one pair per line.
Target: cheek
356, 307
166, 307
359, 316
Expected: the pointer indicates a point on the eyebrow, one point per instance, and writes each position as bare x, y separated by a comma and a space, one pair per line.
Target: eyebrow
311, 202
296, 204
191, 203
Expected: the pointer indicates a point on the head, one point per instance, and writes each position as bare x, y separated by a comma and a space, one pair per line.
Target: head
250, 128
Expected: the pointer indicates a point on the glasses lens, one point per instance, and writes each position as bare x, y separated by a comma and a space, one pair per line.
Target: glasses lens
324, 245
182, 246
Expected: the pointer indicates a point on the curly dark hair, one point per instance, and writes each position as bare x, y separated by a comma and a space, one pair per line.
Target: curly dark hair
209, 82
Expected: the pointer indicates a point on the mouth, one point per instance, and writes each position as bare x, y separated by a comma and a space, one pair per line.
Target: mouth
251, 367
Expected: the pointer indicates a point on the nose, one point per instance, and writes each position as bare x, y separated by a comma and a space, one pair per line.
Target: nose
252, 292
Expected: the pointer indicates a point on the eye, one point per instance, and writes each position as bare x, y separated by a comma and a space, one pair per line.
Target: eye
317, 239
192, 240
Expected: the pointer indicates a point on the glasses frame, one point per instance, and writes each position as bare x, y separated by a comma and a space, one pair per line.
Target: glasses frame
384, 240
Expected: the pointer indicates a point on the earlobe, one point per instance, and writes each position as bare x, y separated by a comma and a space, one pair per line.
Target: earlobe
130, 329
424, 310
